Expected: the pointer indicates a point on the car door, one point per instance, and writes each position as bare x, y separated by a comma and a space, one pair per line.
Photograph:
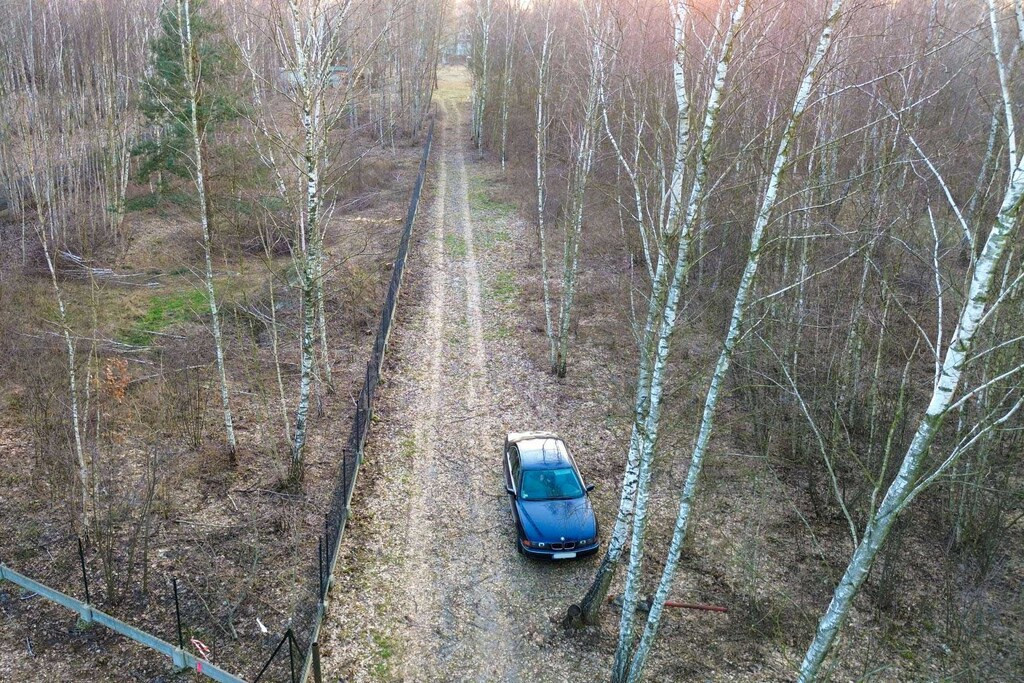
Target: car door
512, 478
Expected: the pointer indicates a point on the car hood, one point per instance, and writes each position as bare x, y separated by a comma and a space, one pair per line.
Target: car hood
554, 520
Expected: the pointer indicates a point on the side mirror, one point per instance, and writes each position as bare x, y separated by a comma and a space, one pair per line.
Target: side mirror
590, 487
510, 490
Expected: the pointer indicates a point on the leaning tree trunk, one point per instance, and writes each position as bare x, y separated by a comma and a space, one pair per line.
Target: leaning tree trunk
622, 665
904, 487
587, 610
639, 657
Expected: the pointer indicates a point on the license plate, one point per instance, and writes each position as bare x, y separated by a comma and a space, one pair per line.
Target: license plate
563, 556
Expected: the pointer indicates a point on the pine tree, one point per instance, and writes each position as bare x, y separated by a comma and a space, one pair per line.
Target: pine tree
165, 98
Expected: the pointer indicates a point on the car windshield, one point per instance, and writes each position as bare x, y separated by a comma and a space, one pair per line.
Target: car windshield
557, 484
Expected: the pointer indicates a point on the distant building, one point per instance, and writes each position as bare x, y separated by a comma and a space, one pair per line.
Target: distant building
457, 51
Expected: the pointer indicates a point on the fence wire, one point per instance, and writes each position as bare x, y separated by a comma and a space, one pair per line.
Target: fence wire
310, 611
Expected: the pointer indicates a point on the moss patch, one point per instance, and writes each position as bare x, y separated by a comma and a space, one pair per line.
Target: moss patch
384, 651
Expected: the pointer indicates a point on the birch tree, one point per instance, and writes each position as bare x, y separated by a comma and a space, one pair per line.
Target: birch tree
42, 181
308, 42
673, 242
513, 15
192, 64
584, 143
484, 17
637, 660
177, 97
983, 299
541, 159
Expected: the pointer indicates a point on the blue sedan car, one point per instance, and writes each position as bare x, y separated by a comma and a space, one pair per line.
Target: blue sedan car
550, 503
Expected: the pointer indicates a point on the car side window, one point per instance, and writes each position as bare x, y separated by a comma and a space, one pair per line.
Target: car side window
513, 457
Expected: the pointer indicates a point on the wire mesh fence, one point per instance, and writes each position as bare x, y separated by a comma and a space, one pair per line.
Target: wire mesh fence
311, 608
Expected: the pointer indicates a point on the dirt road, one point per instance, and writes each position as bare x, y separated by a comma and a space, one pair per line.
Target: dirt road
449, 598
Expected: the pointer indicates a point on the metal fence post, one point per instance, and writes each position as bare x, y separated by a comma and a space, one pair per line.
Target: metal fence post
85, 576
177, 613
320, 561
291, 653
316, 663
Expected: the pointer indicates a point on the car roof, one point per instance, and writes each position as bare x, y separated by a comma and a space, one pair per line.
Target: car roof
542, 453
516, 437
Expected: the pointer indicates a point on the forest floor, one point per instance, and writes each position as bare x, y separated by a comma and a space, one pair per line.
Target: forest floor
429, 586
243, 552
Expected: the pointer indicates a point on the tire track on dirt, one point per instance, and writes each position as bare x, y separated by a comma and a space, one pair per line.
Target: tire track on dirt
462, 605
480, 453
458, 630
425, 472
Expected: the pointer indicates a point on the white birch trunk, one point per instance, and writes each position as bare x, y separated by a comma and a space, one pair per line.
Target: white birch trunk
904, 487
310, 68
321, 316
189, 53
648, 434
511, 32
69, 345
1004, 86
542, 164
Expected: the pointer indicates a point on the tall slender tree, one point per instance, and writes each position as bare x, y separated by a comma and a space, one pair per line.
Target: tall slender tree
196, 126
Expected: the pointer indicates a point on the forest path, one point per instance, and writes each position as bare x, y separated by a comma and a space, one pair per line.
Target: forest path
459, 629
435, 590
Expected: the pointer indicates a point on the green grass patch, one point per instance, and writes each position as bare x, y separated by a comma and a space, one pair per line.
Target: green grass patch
481, 199
485, 197
505, 287
384, 649
407, 447
455, 246
163, 311
491, 238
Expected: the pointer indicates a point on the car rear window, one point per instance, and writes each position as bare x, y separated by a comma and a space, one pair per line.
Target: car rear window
556, 484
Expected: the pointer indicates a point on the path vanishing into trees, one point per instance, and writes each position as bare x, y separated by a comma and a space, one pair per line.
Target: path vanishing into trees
466, 605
